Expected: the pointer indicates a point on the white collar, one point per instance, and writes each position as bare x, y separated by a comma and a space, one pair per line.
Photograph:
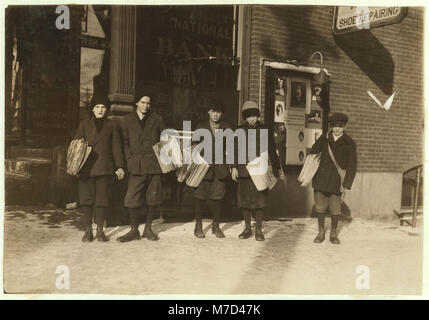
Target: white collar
337, 137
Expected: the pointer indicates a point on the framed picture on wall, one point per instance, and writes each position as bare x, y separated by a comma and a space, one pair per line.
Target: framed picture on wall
279, 111
299, 94
280, 86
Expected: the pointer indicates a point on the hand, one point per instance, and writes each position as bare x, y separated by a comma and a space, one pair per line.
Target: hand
234, 174
120, 173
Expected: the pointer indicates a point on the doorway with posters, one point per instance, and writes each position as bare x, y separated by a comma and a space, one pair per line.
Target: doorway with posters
297, 121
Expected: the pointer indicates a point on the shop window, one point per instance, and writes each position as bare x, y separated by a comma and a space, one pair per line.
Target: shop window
94, 62
185, 55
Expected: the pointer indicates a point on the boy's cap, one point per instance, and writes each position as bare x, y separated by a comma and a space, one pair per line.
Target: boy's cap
338, 118
215, 105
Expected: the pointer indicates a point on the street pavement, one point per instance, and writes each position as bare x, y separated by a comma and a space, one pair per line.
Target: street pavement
374, 257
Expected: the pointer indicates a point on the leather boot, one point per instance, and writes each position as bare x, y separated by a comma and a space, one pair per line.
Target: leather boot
131, 235
333, 236
199, 206
134, 233
198, 232
216, 230
259, 235
88, 236
87, 221
148, 232
321, 235
247, 232
100, 234
215, 207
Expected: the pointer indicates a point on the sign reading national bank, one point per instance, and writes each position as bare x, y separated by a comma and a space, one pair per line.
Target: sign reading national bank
350, 19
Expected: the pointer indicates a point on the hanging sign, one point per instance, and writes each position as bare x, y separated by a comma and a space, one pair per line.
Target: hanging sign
350, 19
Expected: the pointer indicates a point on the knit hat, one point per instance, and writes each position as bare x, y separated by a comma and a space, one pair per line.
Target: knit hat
99, 99
249, 109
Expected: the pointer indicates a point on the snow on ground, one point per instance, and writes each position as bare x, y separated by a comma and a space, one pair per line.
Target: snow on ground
38, 240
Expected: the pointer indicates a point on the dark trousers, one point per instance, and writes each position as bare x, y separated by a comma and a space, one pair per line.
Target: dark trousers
93, 213
135, 213
94, 191
143, 189
215, 208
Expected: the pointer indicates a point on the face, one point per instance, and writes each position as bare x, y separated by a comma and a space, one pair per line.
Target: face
252, 120
99, 111
215, 116
337, 129
143, 105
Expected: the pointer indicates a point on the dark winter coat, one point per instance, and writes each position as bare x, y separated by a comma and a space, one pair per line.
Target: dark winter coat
138, 142
106, 156
247, 194
218, 171
327, 178
273, 157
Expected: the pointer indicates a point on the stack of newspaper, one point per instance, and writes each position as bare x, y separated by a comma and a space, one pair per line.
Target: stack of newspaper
195, 169
261, 172
169, 154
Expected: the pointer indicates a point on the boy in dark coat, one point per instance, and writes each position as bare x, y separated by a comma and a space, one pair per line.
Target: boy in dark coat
249, 199
141, 130
327, 184
213, 187
105, 160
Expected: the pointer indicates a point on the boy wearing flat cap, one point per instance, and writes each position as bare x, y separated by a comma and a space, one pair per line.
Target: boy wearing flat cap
338, 155
212, 189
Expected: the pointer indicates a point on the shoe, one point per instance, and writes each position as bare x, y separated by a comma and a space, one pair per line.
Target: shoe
131, 235
150, 235
246, 234
259, 235
334, 238
198, 232
216, 231
101, 236
320, 237
88, 236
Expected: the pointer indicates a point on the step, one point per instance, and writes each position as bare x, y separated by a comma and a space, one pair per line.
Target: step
29, 152
23, 189
406, 211
28, 166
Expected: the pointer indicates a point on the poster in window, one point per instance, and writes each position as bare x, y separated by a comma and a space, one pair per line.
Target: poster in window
295, 156
298, 98
280, 86
279, 111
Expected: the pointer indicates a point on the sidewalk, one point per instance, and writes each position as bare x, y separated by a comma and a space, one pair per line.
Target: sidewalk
37, 240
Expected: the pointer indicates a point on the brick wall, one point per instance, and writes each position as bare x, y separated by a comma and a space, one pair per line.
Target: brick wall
381, 60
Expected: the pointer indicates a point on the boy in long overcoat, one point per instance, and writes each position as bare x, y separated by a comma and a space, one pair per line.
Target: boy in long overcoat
327, 184
142, 129
212, 189
106, 159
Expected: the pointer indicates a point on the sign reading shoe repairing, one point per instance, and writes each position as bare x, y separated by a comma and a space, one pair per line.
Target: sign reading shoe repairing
350, 19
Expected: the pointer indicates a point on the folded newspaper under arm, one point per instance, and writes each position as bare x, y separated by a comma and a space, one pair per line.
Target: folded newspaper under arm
261, 172
77, 154
309, 169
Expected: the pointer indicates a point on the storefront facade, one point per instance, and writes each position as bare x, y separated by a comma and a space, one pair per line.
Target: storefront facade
183, 55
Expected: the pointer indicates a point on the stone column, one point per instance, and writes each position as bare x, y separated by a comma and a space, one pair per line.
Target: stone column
122, 59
